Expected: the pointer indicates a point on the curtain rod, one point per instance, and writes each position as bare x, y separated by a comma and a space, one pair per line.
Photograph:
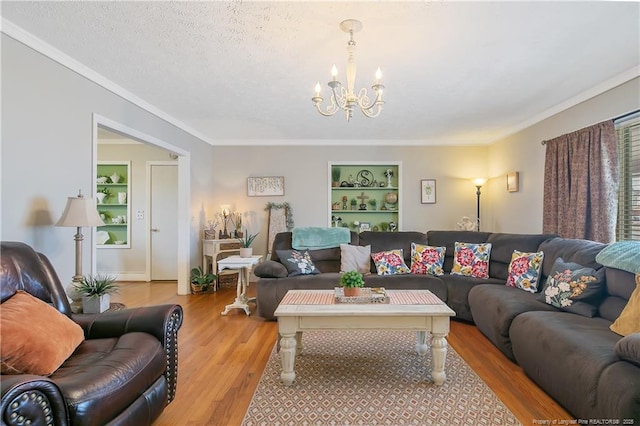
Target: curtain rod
620, 117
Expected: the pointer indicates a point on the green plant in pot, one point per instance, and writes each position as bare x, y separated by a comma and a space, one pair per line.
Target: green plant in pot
335, 176
202, 282
246, 250
96, 291
351, 283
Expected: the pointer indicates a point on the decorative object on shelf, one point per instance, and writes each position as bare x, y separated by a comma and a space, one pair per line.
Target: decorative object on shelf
335, 206
364, 178
354, 203
392, 226
428, 191
79, 212
103, 194
388, 174
478, 184
265, 186
345, 98
336, 221
363, 201
246, 250
122, 198
391, 198
466, 224
344, 202
335, 177
373, 203
384, 226
201, 282
364, 226
115, 178
96, 292
351, 282
102, 180
512, 181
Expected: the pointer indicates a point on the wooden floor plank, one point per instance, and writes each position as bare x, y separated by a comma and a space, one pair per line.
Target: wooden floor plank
221, 359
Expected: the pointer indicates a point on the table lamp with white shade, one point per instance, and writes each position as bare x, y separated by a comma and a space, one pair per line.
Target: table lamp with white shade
79, 212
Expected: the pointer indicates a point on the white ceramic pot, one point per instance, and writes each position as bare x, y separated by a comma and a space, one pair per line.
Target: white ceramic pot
115, 178
246, 251
101, 196
122, 197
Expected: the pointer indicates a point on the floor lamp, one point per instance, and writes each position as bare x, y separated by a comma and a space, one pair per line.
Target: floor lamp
79, 212
478, 183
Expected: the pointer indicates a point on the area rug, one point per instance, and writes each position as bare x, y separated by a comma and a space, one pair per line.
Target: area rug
372, 378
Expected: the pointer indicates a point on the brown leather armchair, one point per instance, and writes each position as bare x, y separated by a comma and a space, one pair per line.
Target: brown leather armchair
123, 373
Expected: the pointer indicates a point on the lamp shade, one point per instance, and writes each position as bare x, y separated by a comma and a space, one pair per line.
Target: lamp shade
80, 211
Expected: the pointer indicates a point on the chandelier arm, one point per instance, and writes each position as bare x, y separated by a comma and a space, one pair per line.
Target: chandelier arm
370, 112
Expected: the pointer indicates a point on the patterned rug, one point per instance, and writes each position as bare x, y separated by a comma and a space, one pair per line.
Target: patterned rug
372, 378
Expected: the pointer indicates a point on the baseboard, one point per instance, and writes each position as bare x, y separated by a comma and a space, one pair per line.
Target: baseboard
128, 277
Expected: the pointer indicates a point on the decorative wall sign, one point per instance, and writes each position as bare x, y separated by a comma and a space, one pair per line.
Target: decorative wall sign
428, 191
512, 181
265, 186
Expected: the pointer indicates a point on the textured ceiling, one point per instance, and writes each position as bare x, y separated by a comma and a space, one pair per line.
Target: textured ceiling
455, 72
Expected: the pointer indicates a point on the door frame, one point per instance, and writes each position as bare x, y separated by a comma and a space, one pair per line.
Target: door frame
147, 218
184, 191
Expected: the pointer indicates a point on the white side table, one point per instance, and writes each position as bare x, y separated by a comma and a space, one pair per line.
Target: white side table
245, 265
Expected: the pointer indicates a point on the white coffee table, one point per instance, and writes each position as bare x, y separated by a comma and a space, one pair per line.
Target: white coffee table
412, 310
244, 265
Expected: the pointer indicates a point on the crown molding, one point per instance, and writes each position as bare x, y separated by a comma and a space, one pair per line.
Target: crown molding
19, 34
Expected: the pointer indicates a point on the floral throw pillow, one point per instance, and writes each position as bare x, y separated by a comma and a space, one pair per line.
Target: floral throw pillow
524, 270
471, 260
390, 262
297, 263
573, 288
427, 259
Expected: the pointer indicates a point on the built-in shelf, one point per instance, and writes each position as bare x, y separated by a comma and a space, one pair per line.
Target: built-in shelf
116, 204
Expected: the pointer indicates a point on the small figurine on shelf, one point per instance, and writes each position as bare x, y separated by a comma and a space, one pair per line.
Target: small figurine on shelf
388, 174
344, 202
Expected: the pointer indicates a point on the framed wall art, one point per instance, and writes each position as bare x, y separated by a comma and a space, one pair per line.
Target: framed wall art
428, 191
512, 181
265, 186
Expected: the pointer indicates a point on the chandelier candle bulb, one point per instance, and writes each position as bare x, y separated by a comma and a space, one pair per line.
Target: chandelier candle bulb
378, 76
334, 72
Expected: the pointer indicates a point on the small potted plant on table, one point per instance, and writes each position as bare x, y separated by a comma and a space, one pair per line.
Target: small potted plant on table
351, 283
96, 292
246, 250
201, 282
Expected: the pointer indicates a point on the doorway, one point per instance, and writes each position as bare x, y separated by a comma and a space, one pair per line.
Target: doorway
163, 216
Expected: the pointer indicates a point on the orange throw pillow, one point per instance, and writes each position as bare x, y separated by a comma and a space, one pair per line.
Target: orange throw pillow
629, 320
34, 337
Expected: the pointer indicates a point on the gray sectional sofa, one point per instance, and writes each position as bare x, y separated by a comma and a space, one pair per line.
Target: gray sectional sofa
591, 371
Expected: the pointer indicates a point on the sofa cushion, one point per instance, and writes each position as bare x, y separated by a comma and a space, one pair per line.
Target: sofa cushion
494, 307
566, 355
574, 288
628, 348
582, 252
297, 263
36, 338
448, 239
619, 287
458, 288
355, 258
427, 259
385, 241
524, 270
629, 320
471, 260
390, 262
503, 245
118, 370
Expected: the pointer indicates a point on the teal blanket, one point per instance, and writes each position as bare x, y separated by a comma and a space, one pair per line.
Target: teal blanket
313, 238
623, 255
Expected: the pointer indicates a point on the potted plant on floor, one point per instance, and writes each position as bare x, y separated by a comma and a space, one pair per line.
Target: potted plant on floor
246, 250
351, 283
201, 282
96, 292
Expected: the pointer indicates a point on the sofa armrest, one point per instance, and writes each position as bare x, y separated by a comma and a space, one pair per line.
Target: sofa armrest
29, 399
628, 348
270, 269
161, 321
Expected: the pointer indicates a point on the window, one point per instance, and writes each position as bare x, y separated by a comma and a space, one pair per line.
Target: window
628, 135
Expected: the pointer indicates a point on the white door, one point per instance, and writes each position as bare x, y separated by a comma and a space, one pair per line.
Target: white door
163, 217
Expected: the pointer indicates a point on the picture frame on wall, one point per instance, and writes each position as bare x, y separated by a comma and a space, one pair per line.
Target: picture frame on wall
428, 191
265, 186
512, 181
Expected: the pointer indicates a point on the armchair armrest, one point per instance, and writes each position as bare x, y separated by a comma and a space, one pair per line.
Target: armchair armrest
29, 399
161, 321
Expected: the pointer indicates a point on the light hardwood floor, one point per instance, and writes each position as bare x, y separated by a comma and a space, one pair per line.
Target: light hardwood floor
221, 359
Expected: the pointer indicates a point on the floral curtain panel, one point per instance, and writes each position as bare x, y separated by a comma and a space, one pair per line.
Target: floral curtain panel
581, 184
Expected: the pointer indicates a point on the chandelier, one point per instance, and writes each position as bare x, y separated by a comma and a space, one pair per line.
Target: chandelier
345, 98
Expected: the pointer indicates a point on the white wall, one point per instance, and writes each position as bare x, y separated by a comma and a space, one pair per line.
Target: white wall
305, 170
522, 211
47, 119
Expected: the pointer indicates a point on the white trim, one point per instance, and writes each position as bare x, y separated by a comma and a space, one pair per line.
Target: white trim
40, 46
184, 193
